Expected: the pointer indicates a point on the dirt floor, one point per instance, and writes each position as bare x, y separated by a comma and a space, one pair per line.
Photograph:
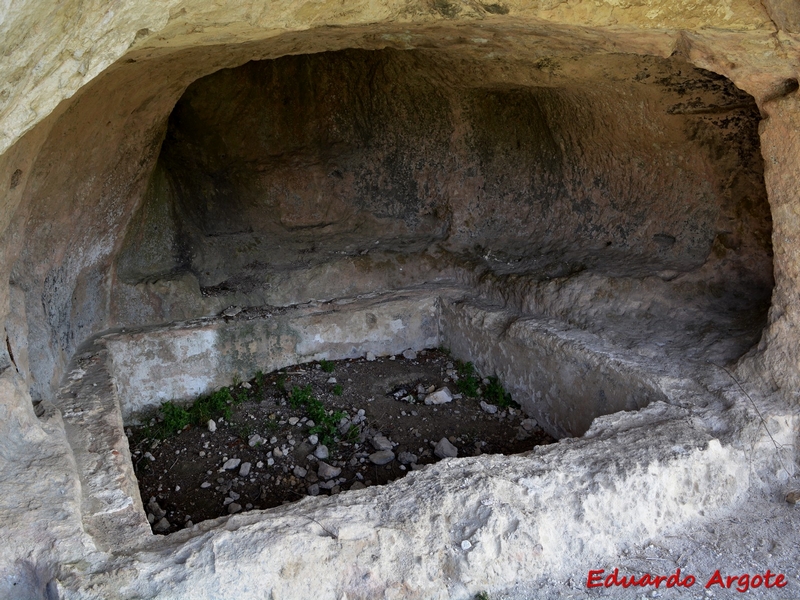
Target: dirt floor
271, 452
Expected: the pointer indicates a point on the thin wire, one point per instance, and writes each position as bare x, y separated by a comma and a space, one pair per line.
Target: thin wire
778, 447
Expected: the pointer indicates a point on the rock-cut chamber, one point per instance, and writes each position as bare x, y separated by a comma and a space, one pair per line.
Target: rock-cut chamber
579, 221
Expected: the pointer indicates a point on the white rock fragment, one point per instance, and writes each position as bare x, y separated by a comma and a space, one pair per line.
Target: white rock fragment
231, 463
299, 472
244, 470
529, 424
466, 545
410, 354
293, 420
321, 452
313, 440
488, 408
370, 356
440, 396
212, 426
205, 485
161, 526
381, 442
255, 440
326, 471
331, 379
406, 458
444, 449
231, 311
381, 457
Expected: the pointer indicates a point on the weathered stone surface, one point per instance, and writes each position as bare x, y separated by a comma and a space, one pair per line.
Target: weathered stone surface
498, 147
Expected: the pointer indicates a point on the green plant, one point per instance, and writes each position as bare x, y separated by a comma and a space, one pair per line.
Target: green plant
496, 394
327, 366
300, 396
236, 380
175, 418
325, 425
212, 406
468, 381
259, 379
338, 389
244, 431
280, 383
482, 596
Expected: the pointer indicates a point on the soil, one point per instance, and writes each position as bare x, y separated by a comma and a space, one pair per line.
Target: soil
182, 479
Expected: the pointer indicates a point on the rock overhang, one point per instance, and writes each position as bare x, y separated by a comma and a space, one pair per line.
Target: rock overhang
723, 462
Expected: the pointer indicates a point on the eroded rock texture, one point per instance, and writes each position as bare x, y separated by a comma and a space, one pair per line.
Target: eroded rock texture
609, 178
361, 162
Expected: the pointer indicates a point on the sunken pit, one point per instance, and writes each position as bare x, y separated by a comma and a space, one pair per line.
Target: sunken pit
597, 224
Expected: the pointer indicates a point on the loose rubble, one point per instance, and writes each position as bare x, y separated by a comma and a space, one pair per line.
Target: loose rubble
397, 414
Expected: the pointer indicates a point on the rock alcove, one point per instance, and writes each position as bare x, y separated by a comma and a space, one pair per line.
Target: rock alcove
590, 225
582, 237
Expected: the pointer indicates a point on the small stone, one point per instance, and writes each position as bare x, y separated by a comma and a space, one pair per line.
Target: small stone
357, 486
244, 470
312, 477
161, 526
406, 458
321, 452
466, 545
370, 356
151, 518
234, 508
212, 426
409, 354
231, 463
270, 461
444, 449
331, 379
149, 456
488, 408
300, 472
273, 440
246, 385
293, 420
231, 311
793, 497
326, 485
529, 424
205, 485
313, 440
440, 396
313, 490
326, 471
254, 440
381, 442
276, 452
154, 508
382, 457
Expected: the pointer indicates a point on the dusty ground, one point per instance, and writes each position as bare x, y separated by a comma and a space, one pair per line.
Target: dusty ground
185, 472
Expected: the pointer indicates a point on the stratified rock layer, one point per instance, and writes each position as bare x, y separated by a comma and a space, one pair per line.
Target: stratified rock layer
580, 171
